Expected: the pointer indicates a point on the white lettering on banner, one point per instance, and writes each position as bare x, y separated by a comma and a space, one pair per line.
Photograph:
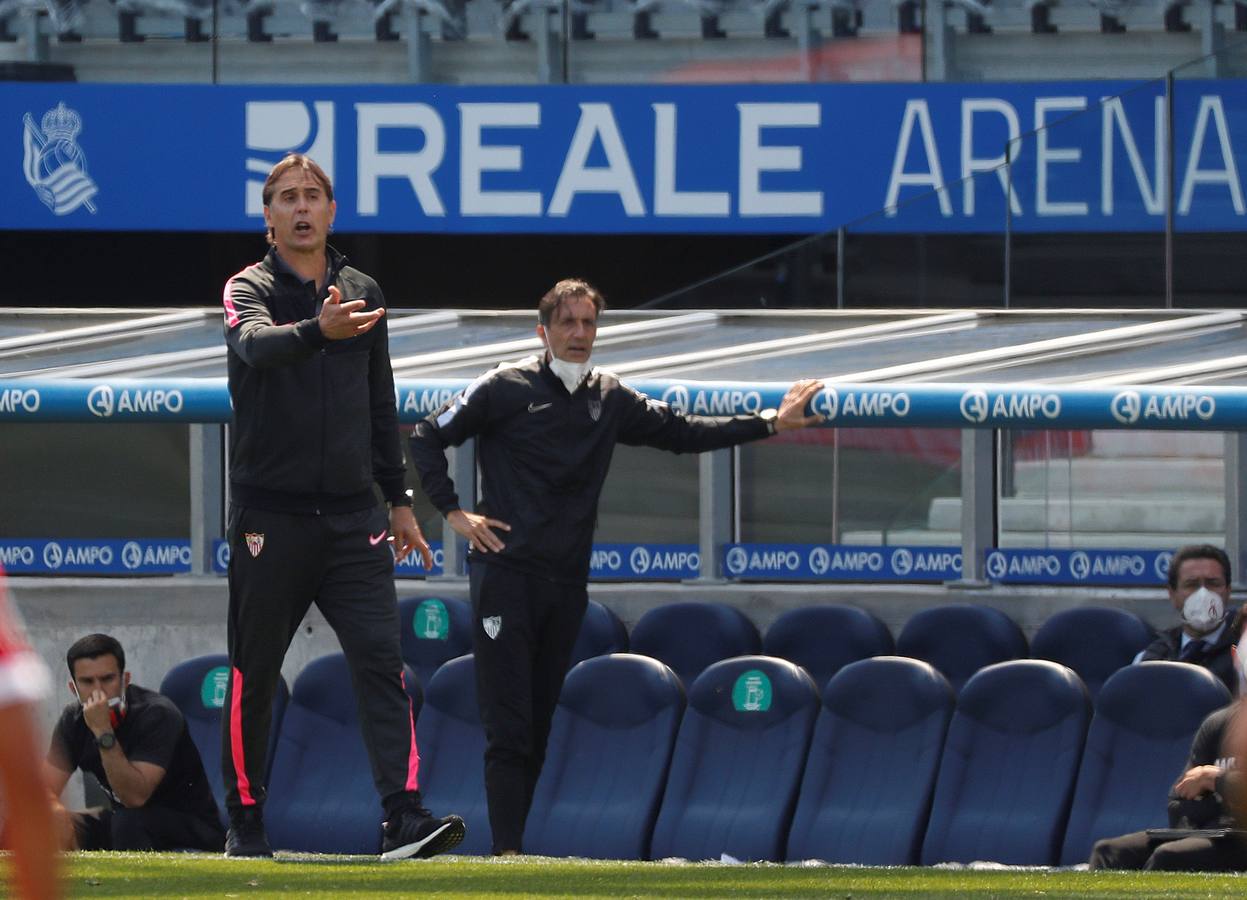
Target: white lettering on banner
476, 158
103, 401
1153, 194
902, 561
416, 561
278, 127
18, 400
639, 560
1034, 564
222, 555
1046, 155
933, 178
427, 401
857, 561
972, 165
1079, 565
667, 561
1128, 407
774, 560
934, 561
17, 554
826, 403
820, 561
1026, 406
1211, 108
85, 555
676, 397
876, 404
609, 560
597, 122
1119, 564
755, 158
417, 168
996, 565
1125, 407
724, 403
1160, 565
53, 555
974, 406
668, 201
737, 560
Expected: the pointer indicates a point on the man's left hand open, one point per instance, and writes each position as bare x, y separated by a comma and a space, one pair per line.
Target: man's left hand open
792, 407
408, 537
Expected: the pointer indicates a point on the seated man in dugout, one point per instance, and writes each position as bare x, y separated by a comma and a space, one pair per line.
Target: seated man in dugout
136, 743
1199, 589
1203, 836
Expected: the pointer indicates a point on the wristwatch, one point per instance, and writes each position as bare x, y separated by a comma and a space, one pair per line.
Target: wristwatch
769, 416
106, 741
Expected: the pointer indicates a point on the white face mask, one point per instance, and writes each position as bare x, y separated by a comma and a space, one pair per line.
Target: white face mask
1203, 610
570, 373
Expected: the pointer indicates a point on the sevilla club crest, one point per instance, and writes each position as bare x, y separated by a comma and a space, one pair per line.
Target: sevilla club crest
255, 543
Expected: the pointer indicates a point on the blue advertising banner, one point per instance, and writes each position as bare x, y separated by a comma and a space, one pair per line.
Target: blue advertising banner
411, 567
644, 562
879, 405
1086, 567
748, 158
840, 562
38, 556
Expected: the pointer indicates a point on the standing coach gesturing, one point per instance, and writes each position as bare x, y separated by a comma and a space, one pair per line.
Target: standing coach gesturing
547, 427
315, 426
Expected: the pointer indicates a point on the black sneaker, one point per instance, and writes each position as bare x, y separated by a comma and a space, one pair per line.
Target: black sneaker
417, 833
246, 835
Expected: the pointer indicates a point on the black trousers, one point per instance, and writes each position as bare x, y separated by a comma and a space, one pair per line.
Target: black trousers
146, 828
279, 565
1191, 854
524, 630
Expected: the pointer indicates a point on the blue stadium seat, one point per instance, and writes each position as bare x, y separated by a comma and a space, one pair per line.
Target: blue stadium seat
1144, 721
721, 632
433, 631
601, 632
1007, 776
871, 768
825, 639
961, 638
1094, 641
452, 752
322, 798
607, 759
197, 688
737, 762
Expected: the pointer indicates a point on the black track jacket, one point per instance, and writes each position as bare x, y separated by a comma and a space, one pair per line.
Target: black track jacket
544, 455
315, 421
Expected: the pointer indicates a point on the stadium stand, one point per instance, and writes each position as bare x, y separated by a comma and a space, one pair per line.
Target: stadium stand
321, 794
738, 762
607, 759
1010, 760
825, 639
197, 687
870, 774
601, 632
959, 639
722, 632
1145, 719
434, 630
452, 751
1094, 641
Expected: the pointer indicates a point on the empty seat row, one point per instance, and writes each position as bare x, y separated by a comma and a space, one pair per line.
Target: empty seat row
958, 639
887, 767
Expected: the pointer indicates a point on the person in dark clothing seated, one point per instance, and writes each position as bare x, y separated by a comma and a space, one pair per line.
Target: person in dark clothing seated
1199, 589
135, 742
1202, 836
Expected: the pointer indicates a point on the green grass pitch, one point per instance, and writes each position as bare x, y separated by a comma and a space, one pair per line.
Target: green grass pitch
172, 875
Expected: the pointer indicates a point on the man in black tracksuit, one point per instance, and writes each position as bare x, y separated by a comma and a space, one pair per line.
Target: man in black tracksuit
547, 427
315, 426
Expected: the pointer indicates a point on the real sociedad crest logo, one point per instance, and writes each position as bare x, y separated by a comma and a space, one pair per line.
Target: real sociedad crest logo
54, 164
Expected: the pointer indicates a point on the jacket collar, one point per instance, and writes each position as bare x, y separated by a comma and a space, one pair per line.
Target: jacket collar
278, 266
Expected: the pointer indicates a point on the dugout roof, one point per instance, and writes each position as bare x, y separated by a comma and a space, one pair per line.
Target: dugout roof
1050, 346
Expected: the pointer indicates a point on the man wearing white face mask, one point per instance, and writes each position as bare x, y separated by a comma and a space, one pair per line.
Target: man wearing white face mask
546, 428
1203, 835
1199, 589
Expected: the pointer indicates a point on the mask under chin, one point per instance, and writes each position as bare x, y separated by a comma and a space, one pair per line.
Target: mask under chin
571, 374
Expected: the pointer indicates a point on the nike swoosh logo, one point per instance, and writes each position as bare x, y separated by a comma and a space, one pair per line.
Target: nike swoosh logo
538, 407
374, 540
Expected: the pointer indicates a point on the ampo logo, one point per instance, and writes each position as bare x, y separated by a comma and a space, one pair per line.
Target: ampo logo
974, 406
131, 555
676, 397
101, 401
1126, 407
1079, 565
997, 566
639, 560
222, 555
826, 403
820, 560
1161, 565
902, 561
53, 555
737, 560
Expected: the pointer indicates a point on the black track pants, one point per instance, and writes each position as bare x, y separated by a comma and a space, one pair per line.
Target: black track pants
279, 565
523, 634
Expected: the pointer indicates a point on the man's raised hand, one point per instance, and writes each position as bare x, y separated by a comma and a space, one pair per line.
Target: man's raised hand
792, 407
339, 320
